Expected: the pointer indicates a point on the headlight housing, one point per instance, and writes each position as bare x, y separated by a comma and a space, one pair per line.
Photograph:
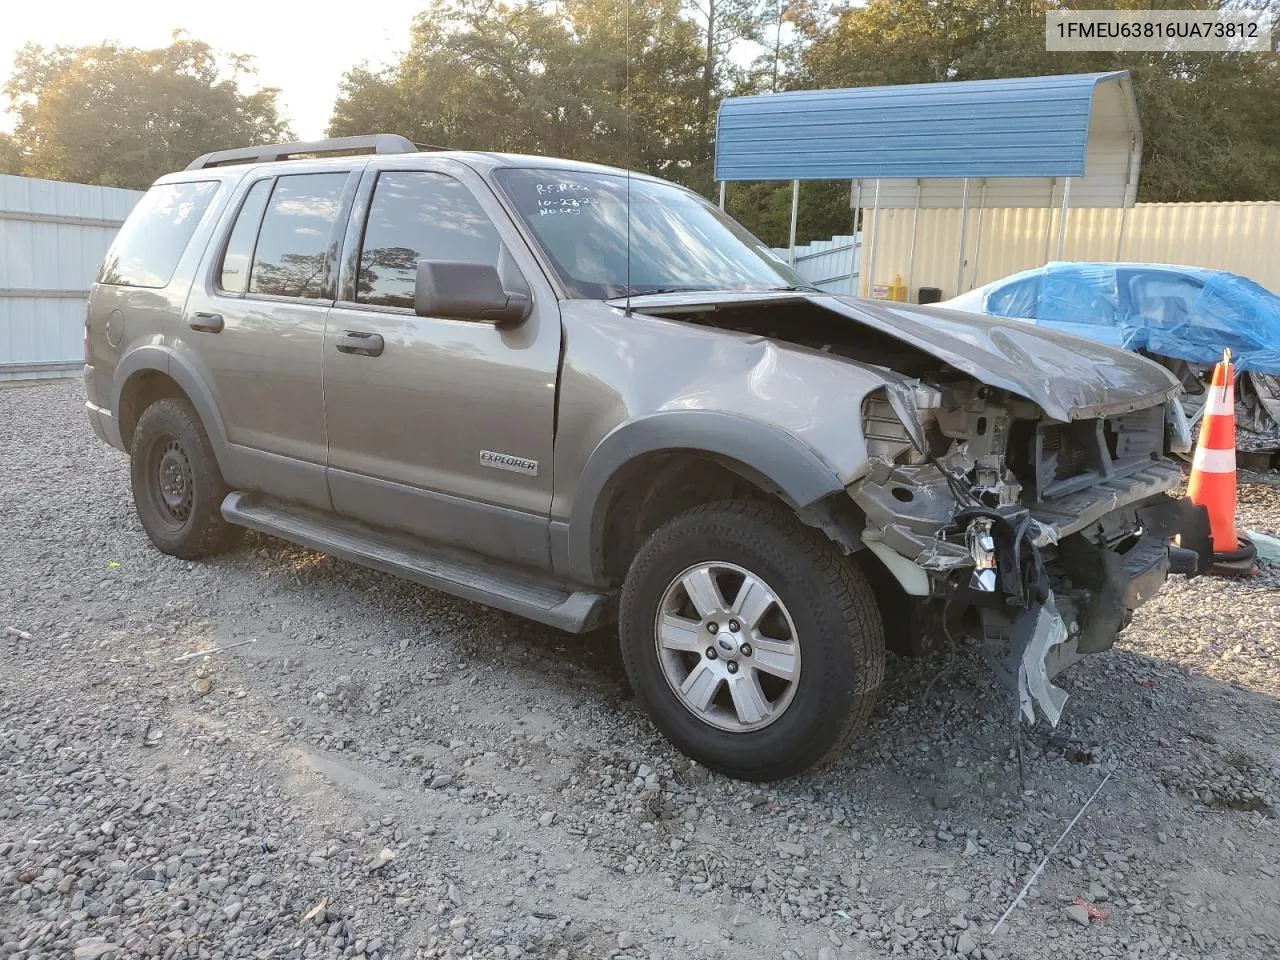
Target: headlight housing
886, 433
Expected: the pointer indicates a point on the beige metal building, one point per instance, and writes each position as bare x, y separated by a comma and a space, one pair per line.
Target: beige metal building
921, 246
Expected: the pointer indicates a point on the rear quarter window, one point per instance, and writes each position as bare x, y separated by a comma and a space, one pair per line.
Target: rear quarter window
148, 247
1018, 300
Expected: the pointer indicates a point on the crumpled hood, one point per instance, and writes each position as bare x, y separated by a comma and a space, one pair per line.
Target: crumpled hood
1068, 377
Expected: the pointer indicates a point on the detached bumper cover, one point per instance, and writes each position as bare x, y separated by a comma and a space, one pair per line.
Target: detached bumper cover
1040, 644
1052, 581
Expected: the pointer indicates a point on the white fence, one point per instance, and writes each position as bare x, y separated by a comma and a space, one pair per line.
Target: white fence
832, 265
52, 240
54, 235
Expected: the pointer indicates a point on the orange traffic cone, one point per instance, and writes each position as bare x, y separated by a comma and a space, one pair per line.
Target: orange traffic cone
1213, 474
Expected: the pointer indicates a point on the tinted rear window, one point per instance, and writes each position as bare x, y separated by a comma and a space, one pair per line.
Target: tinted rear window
293, 242
234, 275
148, 247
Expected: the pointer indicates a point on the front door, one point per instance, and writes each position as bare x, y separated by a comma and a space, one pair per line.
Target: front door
441, 428
255, 326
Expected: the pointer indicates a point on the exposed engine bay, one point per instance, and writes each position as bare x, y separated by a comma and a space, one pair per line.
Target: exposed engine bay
1037, 536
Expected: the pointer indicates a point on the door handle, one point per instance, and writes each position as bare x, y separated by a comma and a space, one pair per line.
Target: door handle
206, 322
362, 344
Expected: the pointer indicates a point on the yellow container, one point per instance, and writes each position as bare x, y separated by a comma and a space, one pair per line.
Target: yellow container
897, 290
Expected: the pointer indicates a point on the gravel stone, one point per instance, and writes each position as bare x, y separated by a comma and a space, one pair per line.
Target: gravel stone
1078, 913
505, 773
91, 948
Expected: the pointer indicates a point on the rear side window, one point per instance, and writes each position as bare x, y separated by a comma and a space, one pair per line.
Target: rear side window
1018, 300
148, 247
1080, 293
416, 215
1163, 300
234, 275
293, 244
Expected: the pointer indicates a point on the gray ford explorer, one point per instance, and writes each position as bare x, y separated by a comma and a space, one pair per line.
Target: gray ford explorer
585, 396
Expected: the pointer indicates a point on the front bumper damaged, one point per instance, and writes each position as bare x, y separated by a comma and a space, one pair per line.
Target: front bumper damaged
1039, 586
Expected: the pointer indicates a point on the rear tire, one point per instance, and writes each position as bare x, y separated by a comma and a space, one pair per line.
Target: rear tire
177, 487
798, 643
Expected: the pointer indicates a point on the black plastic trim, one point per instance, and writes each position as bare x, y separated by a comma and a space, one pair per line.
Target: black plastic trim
378, 143
452, 572
763, 453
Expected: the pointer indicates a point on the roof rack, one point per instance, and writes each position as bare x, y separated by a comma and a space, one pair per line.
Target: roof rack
378, 143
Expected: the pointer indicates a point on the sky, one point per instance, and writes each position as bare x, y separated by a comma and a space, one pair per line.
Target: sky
302, 53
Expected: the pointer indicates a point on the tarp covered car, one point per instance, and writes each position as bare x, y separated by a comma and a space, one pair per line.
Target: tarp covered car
1182, 317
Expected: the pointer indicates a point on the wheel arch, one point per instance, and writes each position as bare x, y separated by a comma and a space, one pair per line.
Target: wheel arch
639, 456
152, 372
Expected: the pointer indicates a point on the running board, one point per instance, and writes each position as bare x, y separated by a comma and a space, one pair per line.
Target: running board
448, 571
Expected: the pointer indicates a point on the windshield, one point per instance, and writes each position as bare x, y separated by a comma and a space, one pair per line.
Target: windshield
678, 240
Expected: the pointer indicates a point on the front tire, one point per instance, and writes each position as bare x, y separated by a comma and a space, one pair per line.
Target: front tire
177, 487
753, 644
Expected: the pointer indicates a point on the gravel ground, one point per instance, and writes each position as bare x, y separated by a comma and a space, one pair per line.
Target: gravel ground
381, 771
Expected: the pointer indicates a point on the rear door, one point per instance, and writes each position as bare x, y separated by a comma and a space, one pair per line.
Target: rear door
255, 325
441, 428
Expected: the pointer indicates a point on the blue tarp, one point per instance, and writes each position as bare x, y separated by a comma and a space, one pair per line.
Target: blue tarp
1187, 313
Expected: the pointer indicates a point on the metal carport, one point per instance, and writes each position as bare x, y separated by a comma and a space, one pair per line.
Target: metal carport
1072, 140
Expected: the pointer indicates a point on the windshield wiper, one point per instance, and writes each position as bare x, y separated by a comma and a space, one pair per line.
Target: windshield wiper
657, 290
645, 293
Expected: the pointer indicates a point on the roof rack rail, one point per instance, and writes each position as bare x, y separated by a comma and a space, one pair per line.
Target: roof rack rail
378, 143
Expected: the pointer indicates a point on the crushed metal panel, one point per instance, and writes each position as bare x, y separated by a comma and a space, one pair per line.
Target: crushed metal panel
1033, 677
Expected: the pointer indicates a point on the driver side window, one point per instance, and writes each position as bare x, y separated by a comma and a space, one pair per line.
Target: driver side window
418, 215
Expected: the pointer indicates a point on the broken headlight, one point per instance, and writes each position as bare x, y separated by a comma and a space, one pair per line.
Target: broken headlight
982, 547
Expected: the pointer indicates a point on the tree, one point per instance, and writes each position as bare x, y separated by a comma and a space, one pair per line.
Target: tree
787, 29
10, 155
765, 209
723, 26
1211, 122
122, 116
485, 75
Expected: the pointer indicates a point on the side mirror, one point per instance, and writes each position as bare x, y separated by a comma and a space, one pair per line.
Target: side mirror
468, 291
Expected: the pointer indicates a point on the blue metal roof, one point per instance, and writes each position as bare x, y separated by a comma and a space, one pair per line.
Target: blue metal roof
1016, 127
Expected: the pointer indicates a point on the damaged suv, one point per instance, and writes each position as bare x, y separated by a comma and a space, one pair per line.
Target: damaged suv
586, 396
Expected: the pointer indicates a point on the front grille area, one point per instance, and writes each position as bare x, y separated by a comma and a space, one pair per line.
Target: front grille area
1056, 459
1068, 448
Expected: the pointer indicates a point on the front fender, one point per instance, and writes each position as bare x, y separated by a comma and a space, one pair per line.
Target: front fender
761, 452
